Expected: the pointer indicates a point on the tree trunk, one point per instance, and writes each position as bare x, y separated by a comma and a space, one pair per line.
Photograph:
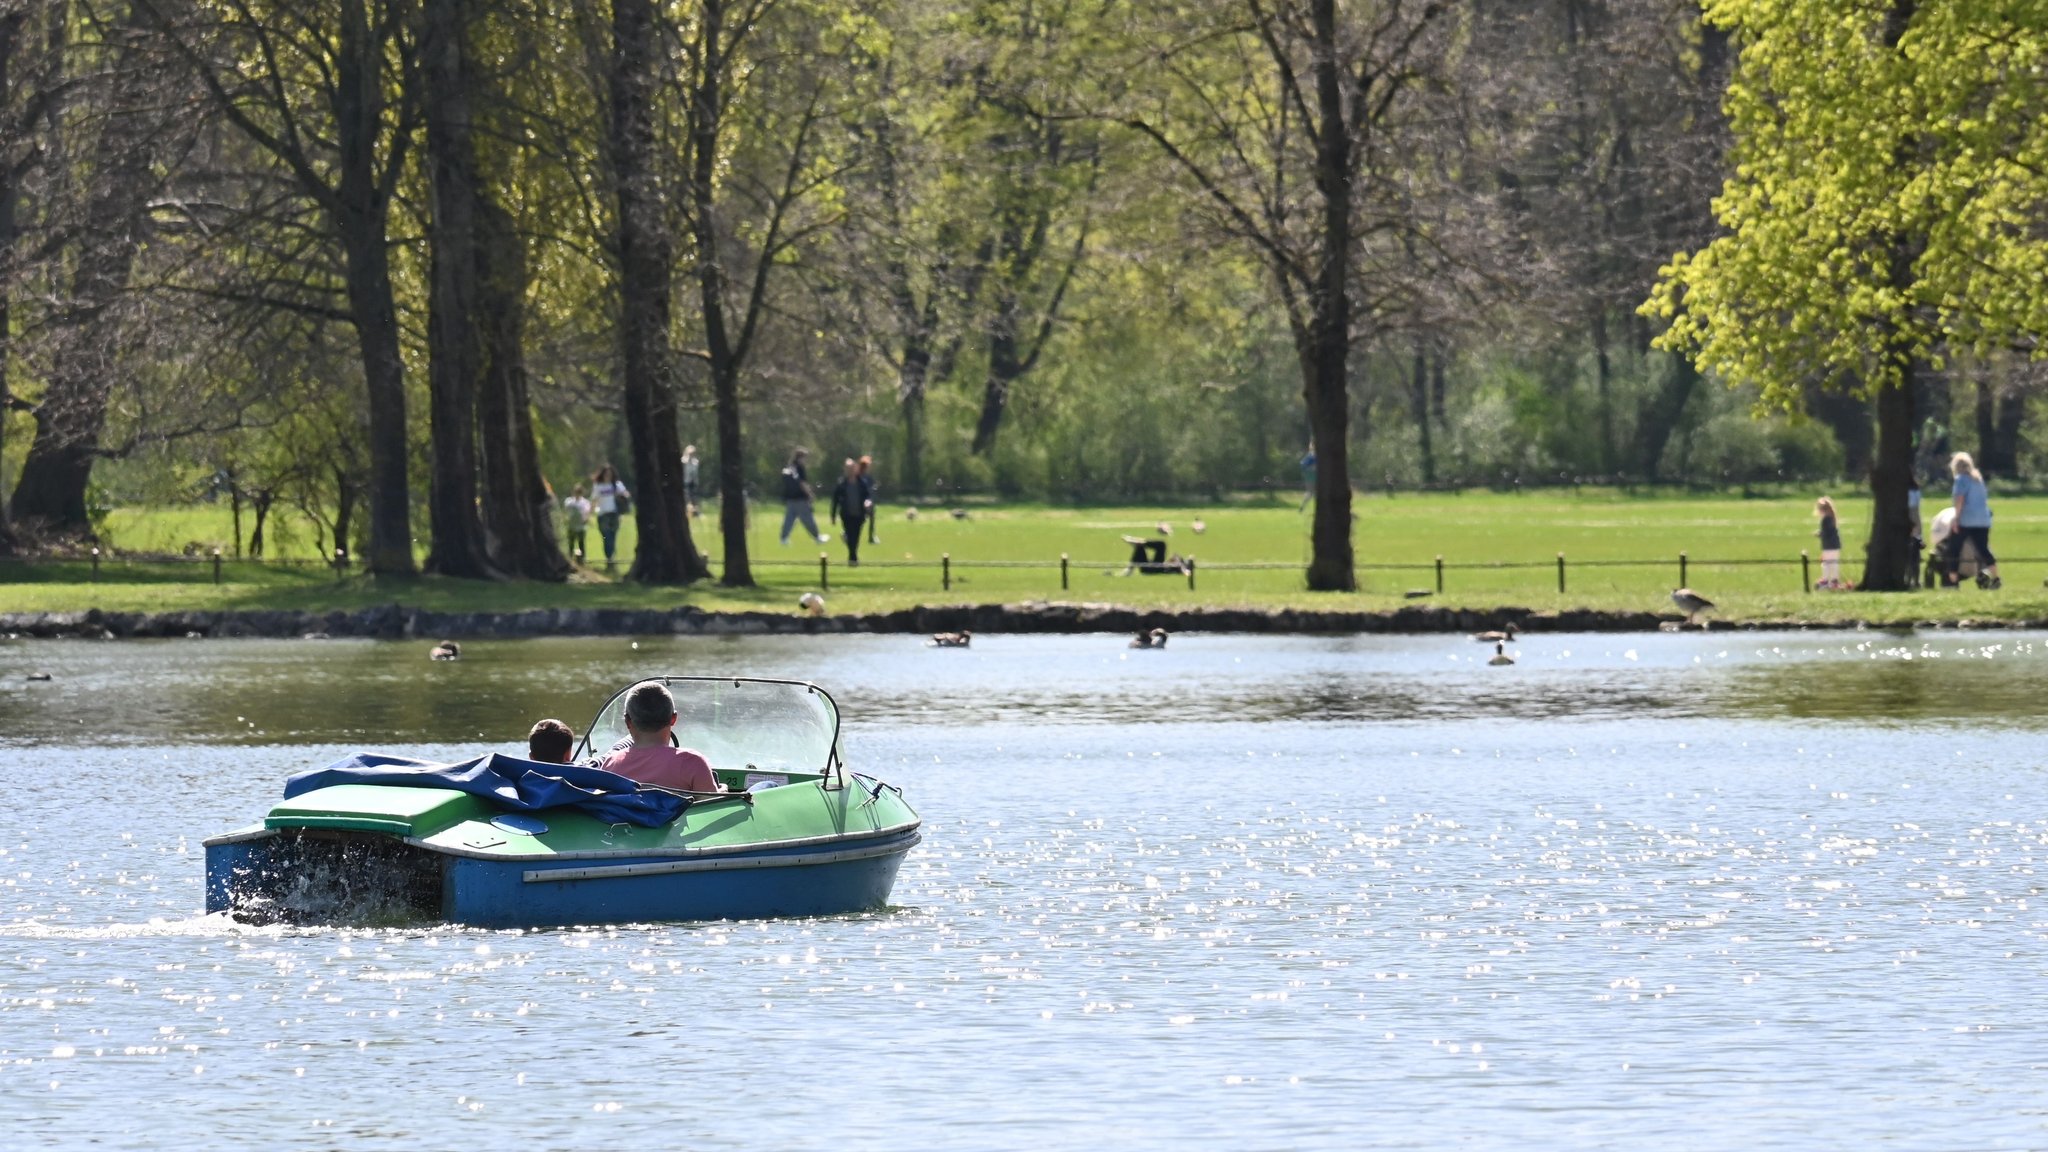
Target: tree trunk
665, 553
911, 382
1419, 388
1888, 557
264, 499
368, 277
1603, 376
453, 316
73, 411
2005, 432
1661, 415
1325, 359
518, 511
1004, 367
10, 34
707, 117
1987, 423
344, 513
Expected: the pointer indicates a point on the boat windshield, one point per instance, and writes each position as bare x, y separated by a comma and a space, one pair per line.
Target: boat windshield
773, 725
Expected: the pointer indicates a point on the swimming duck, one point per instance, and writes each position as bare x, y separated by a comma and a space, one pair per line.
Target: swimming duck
1156, 638
811, 604
446, 650
1507, 634
1692, 604
952, 639
39, 677
1500, 655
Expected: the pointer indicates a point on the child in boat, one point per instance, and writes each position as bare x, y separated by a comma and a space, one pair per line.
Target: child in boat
652, 758
550, 742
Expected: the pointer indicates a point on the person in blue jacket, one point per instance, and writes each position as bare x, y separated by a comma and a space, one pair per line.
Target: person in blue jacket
1973, 520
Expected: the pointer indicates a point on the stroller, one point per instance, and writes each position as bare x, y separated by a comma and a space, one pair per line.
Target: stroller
1969, 566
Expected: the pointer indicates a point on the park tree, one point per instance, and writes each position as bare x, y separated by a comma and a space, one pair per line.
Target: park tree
1294, 123
1884, 214
324, 92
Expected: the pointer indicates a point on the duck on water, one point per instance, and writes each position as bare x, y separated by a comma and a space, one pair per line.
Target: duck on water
503, 841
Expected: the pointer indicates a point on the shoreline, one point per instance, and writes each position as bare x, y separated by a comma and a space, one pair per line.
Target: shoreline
396, 622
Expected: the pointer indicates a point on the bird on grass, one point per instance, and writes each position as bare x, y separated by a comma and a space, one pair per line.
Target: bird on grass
1198, 527
959, 513
1500, 655
910, 513
1164, 528
952, 639
446, 650
1692, 604
1156, 638
1507, 634
811, 604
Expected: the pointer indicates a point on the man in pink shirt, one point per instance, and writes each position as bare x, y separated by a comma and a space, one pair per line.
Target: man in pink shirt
651, 759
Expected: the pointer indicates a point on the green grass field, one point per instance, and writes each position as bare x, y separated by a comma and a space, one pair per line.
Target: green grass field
1593, 529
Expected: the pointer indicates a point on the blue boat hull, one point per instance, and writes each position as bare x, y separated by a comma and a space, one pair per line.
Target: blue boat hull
854, 875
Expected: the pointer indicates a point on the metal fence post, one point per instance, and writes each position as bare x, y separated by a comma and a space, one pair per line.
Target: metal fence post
340, 565
946, 570
1439, 575
216, 565
824, 578
1805, 571
1063, 571
95, 564
1560, 573
1682, 581
1191, 573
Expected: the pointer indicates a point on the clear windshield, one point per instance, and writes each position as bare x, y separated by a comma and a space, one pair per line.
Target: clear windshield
774, 725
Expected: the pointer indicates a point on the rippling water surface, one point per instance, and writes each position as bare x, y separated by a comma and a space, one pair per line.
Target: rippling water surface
1722, 890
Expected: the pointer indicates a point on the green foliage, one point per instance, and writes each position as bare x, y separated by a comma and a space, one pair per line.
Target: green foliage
1886, 198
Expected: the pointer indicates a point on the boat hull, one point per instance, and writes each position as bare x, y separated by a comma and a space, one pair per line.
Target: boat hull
384, 878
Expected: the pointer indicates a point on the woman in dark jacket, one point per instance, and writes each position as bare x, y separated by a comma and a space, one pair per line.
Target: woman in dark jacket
850, 509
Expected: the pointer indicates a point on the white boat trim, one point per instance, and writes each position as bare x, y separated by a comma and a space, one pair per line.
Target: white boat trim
718, 864
684, 850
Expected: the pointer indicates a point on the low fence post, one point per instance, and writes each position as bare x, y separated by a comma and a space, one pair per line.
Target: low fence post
1439, 575
216, 565
1191, 573
1063, 571
340, 565
1805, 571
1560, 573
824, 578
95, 564
946, 570
1682, 581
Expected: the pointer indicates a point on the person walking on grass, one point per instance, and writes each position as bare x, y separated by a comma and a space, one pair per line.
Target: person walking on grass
796, 498
1973, 522
691, 467
577, 509
612, 501
850, 508
868, 489
1830, 544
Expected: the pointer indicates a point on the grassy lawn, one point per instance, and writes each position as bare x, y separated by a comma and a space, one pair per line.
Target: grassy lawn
904, 569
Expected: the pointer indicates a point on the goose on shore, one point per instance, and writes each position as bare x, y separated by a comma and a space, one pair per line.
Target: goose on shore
1500, 655
1692, 604
446, 650
811, 604
1507, 634
952, 639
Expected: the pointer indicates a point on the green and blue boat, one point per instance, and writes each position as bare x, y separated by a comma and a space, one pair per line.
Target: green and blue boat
505, 842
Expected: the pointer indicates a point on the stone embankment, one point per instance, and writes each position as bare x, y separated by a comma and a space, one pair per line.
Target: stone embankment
393, 622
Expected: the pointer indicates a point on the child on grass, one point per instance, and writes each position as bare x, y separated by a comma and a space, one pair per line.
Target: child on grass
1830, 545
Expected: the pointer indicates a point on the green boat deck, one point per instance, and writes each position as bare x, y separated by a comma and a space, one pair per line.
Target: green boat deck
460, 824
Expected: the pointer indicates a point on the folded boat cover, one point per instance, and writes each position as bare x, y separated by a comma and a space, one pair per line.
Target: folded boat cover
523, 785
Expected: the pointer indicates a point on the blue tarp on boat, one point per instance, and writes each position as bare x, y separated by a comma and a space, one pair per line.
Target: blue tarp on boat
523, 785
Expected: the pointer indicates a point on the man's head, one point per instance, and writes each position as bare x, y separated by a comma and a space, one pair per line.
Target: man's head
649, 708
866, 462
550, 742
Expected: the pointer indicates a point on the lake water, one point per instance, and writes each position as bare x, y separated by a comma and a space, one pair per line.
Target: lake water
1718, 891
